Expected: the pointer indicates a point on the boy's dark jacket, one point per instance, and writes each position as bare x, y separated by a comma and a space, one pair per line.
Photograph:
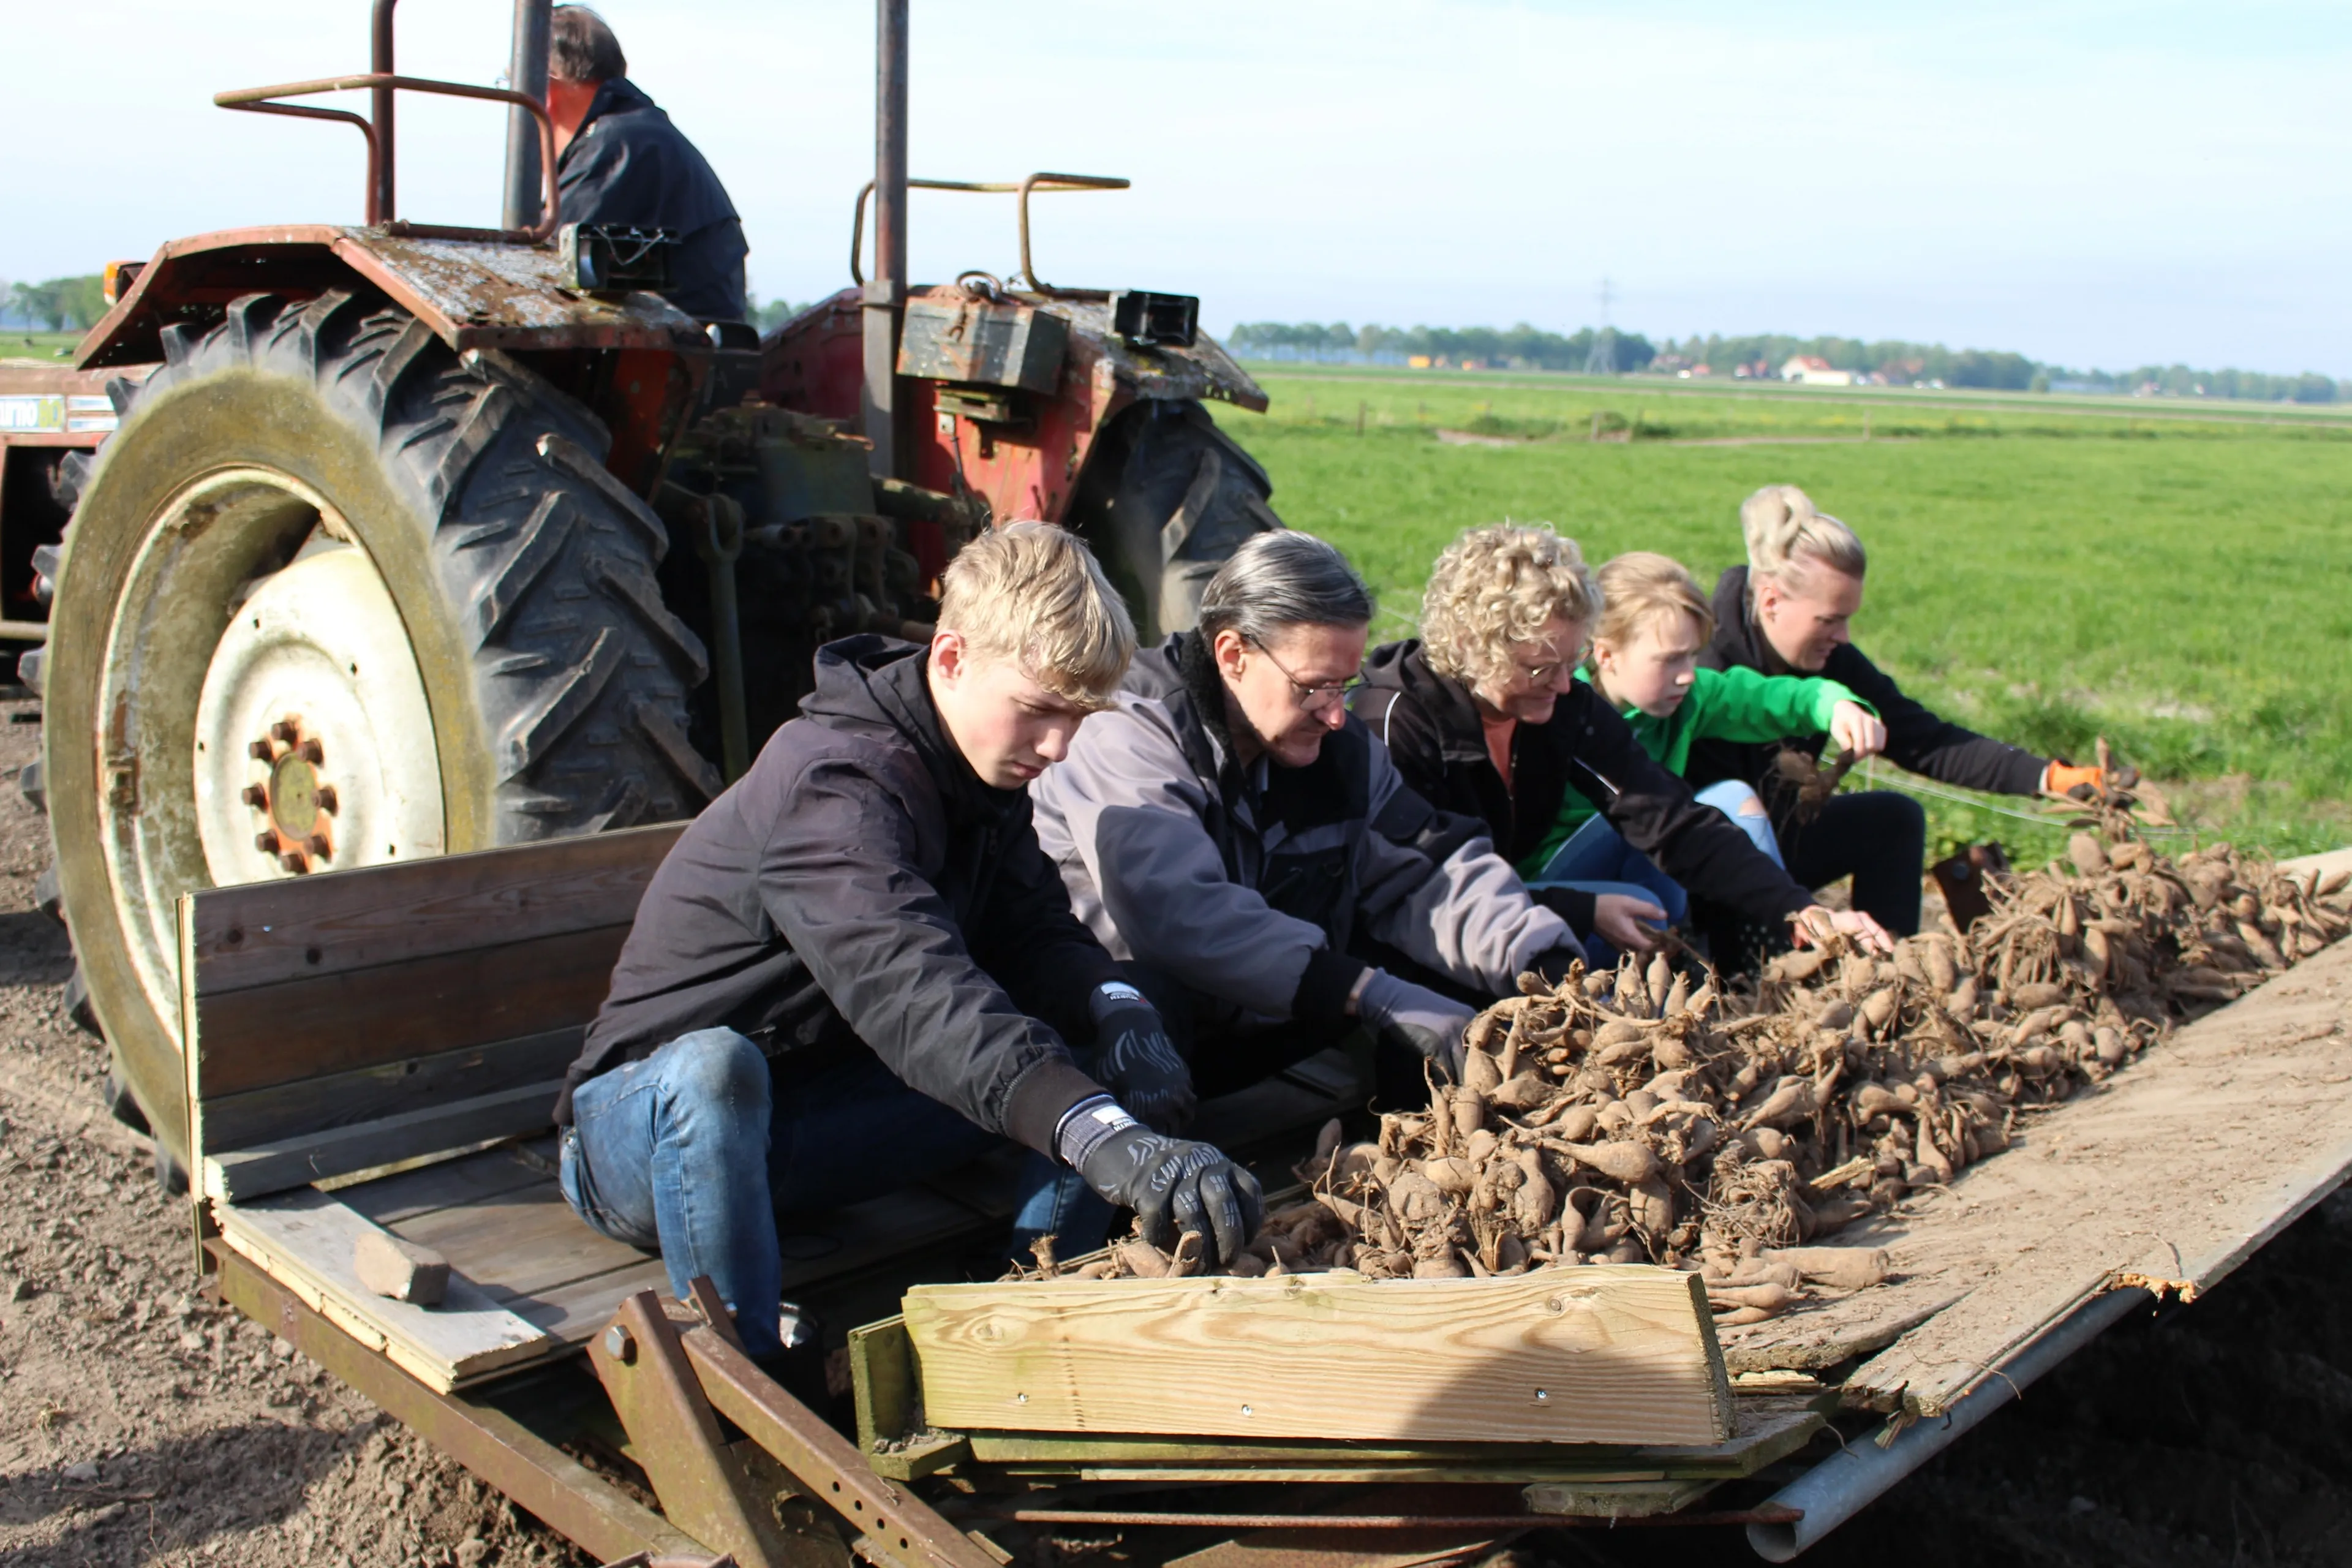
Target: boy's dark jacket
861, 884
1916, 738
1432, 728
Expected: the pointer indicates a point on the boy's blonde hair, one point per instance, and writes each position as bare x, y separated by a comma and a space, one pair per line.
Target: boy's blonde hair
1641, 587
1786, 532
1498, 585
1031, 593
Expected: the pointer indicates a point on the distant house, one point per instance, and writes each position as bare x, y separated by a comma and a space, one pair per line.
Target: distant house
1702, 368
1814, 371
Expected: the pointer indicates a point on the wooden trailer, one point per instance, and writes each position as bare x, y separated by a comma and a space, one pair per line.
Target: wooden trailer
379, 1051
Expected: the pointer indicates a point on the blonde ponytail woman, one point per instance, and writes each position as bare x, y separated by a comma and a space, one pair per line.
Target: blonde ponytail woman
1789, 611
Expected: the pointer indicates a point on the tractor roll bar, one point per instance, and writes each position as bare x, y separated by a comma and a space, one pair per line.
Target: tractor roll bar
1033, 183
384, 84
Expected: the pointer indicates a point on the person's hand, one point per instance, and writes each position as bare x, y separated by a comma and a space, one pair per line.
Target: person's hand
1819, 923
1173, 1185
2067, 779
1618, 919
1415, 1016
1136, 1060
1857, 731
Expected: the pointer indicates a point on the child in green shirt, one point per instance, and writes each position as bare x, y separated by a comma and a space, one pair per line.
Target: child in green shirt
1645, 661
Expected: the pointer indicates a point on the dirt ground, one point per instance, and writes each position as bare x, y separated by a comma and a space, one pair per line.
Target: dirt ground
142, 1424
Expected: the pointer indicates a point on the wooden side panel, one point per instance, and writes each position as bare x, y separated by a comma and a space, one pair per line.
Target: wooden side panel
339, 1023
243, 1174
320, 1105
263, 933
1595, 1355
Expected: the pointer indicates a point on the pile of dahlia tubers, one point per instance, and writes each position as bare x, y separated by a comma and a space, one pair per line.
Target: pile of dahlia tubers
1640, 1115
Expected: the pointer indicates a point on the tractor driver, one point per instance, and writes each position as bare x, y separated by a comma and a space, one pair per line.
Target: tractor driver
856, 970
619, 160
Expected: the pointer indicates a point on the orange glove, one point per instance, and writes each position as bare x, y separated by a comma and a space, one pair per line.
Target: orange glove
2065, 778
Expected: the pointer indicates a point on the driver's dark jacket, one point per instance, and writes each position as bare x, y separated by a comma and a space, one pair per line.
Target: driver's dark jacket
862, 888
628, 165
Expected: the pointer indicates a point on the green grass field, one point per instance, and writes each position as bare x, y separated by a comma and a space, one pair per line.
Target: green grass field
2170, 576
15, 342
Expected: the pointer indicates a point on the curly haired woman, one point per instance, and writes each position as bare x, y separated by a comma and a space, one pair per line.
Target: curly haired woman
1486, 719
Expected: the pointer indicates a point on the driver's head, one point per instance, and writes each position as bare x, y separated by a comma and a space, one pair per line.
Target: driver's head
581, 54
1804, 574
580, 48
1286, 620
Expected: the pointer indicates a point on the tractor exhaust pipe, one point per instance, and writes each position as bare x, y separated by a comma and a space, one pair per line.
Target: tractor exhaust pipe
885, 292
526, 73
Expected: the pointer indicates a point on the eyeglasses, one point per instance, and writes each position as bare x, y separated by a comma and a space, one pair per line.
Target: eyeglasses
1310, 696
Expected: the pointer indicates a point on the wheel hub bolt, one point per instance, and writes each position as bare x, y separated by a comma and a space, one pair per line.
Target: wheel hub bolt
296, 804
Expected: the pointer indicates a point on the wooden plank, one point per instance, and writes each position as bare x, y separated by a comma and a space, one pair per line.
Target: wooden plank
1600, 1353
577, 1311
519, 1244
2177, 1169
246, 1174
1765, 1429
365, 1094
264, 933
337, 1023
304, 1241
389, 1199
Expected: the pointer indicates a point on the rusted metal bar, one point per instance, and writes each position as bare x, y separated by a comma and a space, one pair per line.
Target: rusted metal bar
986, 187
886, 295
1145, 1517
1055, 183
258, 100
539, 1477
675, 1435
895, 1528
527, 74
381, 177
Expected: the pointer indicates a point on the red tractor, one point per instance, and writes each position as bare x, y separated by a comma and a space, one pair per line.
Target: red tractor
362, 544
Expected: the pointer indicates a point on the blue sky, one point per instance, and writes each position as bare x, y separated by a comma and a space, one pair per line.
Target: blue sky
2090, 183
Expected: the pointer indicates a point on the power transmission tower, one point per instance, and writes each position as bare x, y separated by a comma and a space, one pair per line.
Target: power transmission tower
1603, 360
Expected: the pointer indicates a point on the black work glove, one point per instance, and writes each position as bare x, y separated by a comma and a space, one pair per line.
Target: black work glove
1415, 1016
1173, 1185
1136, 1060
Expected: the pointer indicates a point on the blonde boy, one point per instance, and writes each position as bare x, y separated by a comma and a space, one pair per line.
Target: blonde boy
856, 970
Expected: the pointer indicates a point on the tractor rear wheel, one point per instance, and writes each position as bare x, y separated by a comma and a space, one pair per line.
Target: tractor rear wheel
333, 596
1167, 499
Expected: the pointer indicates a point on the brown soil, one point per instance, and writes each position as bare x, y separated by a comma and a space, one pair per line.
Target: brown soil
139, 1422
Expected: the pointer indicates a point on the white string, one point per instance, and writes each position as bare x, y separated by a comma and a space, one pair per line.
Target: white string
1921, 787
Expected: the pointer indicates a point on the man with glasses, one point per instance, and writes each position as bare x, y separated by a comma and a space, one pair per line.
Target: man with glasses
1235, 835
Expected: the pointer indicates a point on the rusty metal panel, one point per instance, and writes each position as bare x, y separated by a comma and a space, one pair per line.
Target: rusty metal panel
995, 343
673, 1434
477, 294
1202, 371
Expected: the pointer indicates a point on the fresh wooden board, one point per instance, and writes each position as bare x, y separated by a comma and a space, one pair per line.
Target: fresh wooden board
2177, 1170
304, 1241
1599, 1354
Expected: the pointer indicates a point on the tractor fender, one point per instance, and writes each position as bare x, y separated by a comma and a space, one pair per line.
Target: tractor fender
473, 294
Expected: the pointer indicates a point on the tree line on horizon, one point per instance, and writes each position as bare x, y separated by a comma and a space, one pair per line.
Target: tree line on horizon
1758, 354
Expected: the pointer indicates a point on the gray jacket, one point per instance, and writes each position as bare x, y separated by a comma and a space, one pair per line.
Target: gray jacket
1250, 889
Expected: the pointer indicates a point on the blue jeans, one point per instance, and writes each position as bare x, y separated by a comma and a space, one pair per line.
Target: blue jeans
1737, 801
1596, 859
692, 1151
